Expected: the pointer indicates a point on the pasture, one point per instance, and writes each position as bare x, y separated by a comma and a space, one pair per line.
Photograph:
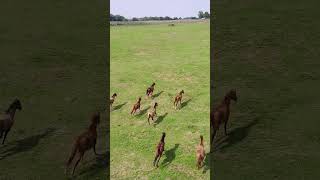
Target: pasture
269, 51
175, 58
54, 60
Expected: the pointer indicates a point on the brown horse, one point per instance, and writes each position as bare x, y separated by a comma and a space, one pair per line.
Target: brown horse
7, 119
150, 90
85, 141
200, 153
159, 150
113, 97
221, 113
136, 106
178, 99
152, 113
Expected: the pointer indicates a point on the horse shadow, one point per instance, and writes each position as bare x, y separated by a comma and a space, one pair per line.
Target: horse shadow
185, 103
98, 164
144, 111
170, 155
206, 163
118, 106
25, 144
235, 136
161, 118
157, 95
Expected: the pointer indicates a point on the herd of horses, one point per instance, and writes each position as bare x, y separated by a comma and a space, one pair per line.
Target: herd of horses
152, 113
87, 140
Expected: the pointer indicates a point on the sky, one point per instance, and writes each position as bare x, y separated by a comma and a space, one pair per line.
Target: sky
171, 8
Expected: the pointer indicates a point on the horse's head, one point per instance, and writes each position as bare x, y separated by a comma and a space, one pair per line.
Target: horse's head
16, 104
139, 99
153, 84
163, 136
96, 118
114, 95
182, 92
232, 94
155, 105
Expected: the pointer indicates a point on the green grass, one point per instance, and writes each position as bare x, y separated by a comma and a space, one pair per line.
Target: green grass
53, 60
175, 58
269, 52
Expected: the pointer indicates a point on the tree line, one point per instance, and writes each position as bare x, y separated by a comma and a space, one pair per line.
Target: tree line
201, 15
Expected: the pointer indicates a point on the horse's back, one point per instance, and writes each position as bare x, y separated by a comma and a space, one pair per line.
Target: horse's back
86, 140
4, 117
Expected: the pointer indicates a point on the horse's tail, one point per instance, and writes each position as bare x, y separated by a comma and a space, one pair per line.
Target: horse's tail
73, 153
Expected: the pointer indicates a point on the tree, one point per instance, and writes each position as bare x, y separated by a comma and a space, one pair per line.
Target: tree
117, 18
135, 19
206, 15
200, 14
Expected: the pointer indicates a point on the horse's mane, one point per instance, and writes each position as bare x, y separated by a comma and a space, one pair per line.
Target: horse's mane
10, 107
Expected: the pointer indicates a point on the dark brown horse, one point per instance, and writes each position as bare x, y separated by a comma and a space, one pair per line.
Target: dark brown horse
7, 119
178, 99
221, 113
159, 150
150, 90
113, 97
85, 141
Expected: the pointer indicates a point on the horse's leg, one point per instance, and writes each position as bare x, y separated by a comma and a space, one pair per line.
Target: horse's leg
5, 136
225, 128
155, 160
158, 160
213, 134
80, 157
226, 122
94, 147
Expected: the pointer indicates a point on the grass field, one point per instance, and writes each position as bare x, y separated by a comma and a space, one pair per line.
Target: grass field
269, 51
175, 58
52, 59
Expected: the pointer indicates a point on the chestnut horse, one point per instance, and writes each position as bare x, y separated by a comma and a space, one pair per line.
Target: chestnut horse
85, 141
178, 99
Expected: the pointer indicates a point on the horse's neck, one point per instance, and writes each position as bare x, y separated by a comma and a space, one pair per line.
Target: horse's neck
162, 139
11, 112
227, 101
93, 128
